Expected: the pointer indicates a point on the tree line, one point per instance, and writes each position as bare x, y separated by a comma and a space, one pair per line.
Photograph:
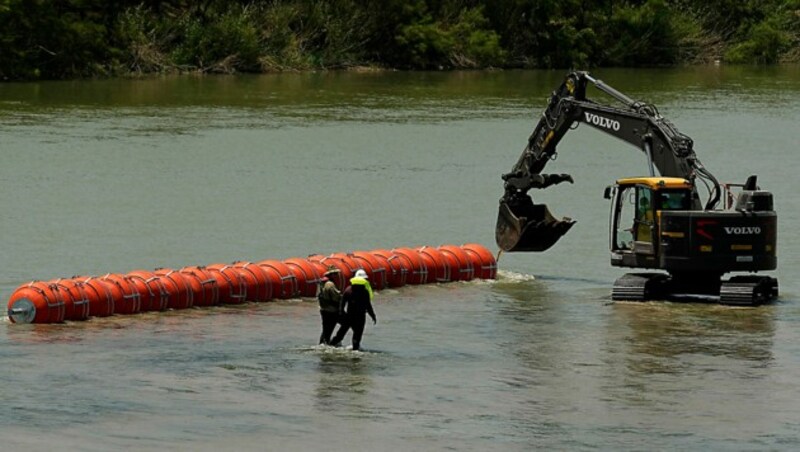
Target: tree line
84, 38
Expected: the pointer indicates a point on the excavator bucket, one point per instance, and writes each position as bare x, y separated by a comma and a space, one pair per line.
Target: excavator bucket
525, 226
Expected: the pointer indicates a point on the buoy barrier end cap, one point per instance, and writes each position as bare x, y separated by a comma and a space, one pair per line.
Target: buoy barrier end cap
22, 311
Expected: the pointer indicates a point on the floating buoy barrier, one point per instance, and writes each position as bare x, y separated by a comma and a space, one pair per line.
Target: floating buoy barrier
84, 297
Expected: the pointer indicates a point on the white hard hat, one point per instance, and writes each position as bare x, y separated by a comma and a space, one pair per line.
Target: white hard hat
360, 273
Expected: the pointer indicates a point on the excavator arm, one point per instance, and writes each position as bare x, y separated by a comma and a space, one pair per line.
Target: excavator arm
525, 226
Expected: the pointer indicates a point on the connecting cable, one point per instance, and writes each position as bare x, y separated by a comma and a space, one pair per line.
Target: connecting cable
711, 183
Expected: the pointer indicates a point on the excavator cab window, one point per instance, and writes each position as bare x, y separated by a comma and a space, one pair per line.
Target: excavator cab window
674, 200
644, 215
623, 210
633, 218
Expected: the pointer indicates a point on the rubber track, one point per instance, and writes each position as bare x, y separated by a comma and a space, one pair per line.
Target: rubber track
629, 287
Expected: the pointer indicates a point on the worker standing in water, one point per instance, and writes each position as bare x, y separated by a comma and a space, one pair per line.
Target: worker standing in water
330, 300
356, 304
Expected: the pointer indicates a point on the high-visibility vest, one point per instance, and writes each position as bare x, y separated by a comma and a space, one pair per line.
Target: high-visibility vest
362, 282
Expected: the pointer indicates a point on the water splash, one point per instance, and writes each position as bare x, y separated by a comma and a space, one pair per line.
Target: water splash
507, 276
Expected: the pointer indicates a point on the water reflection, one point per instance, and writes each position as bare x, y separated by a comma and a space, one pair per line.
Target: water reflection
110, 328
538, 328
344, 381
42, 334
669, 338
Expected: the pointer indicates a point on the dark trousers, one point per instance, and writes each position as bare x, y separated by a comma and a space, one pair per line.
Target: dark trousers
329, 321
355, 322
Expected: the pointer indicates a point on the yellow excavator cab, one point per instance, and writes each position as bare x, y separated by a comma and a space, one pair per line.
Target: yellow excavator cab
657, 183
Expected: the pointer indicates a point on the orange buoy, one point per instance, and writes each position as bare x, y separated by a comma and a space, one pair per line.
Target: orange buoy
346, 265
180, 292
398, 272
175, 293
126, 295
345, 268
346, 258
337, 277
460, 263
375, 267
232, 285
418, 272
406, 264
288, 287
315, 257
37, 302
438, 268
101, 299
274, 280
485, 265
357, 263
382, 265
114, 291
195, 287
78, 306
306, 275
154, 296
257, 281
205, 286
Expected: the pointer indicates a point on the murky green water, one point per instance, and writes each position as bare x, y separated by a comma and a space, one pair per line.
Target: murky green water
110, 176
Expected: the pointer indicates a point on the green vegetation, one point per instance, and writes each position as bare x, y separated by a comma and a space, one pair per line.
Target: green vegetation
83, 38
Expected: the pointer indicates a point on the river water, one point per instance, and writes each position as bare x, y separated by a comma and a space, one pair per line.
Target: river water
116, 175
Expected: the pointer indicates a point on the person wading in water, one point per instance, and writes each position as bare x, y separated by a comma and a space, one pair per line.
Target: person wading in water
330, 300
356, 304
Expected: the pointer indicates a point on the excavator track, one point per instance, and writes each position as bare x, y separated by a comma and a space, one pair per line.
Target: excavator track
737, 291
748, 290
639, 287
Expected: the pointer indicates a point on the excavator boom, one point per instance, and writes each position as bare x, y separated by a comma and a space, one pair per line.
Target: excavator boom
523, 225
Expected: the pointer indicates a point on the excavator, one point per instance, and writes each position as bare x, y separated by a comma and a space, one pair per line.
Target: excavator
680, 245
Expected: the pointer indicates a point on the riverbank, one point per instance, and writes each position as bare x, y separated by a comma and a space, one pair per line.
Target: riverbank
76, 39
